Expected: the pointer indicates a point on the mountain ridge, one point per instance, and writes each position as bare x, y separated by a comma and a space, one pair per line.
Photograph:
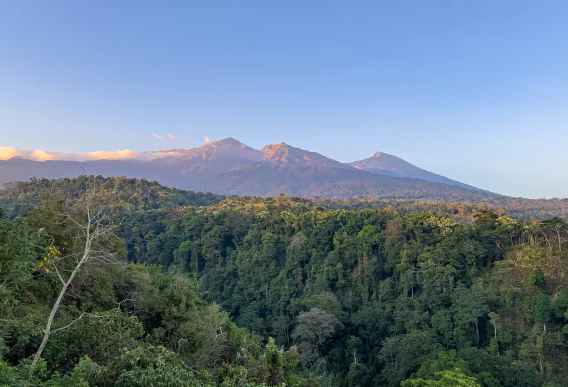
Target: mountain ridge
386, 164
230, 167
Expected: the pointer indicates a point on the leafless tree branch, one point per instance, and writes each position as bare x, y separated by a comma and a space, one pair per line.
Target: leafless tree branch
97, 225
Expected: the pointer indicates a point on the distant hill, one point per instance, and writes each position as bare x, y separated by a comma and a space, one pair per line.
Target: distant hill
230, 167
133, 194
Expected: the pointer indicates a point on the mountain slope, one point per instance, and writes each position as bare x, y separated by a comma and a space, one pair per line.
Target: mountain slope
296, 172
230, 167
181, 168
210, 159
288, 156
384, 164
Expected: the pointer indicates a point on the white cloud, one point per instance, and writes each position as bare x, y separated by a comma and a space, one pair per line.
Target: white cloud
116, 155
41, 155
7, 153
207, 140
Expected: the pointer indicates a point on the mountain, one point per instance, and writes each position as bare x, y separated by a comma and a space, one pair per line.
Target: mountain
384, 164
296, 172
209, 159
230, 167
179, 168
284, 155
188, 168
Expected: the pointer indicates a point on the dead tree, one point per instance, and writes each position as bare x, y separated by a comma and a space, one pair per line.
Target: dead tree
94, 227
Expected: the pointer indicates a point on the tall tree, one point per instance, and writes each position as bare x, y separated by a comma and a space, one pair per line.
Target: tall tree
313, 329
92, 225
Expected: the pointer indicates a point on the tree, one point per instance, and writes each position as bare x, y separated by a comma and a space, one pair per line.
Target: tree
354, 344
94, 228
542, 309
149, 366
18, 252
468, 306
403, 354
313, 329
442, 322
358, 375
558, 226
536, 278
448, 378
494, 320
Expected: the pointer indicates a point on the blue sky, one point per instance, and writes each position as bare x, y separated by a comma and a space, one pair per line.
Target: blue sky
476, 90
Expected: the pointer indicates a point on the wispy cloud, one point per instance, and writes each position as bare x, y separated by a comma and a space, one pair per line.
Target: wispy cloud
116, 155
171, 137
157, 136
207, 140
41, 155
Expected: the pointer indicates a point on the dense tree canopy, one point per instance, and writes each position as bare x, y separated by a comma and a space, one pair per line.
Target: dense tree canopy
406, 289
332, 297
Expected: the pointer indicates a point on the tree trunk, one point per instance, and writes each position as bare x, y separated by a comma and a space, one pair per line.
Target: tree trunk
548, 243
477, 332
496, 343
55, 308
196, 257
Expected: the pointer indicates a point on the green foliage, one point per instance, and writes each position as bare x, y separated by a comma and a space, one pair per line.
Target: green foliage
19, 376
121, 324
147, 365
131, 194
448, 378
313, 329
318, 296
542, 309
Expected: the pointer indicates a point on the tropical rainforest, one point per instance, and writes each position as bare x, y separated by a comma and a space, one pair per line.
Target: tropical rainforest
123, 282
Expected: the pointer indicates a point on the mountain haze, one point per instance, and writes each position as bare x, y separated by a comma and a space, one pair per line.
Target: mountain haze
230, 167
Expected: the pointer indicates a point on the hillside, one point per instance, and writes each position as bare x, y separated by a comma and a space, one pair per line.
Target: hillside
137, 194
376, 296
390, 296
129, 194
119, 324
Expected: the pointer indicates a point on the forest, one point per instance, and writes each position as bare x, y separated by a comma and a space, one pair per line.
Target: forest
186, 289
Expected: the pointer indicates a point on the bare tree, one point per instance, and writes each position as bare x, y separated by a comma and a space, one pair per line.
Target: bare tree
94, 229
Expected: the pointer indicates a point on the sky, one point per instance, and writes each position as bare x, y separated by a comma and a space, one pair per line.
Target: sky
476, 90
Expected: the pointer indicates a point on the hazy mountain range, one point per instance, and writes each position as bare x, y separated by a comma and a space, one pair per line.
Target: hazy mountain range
231, 167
